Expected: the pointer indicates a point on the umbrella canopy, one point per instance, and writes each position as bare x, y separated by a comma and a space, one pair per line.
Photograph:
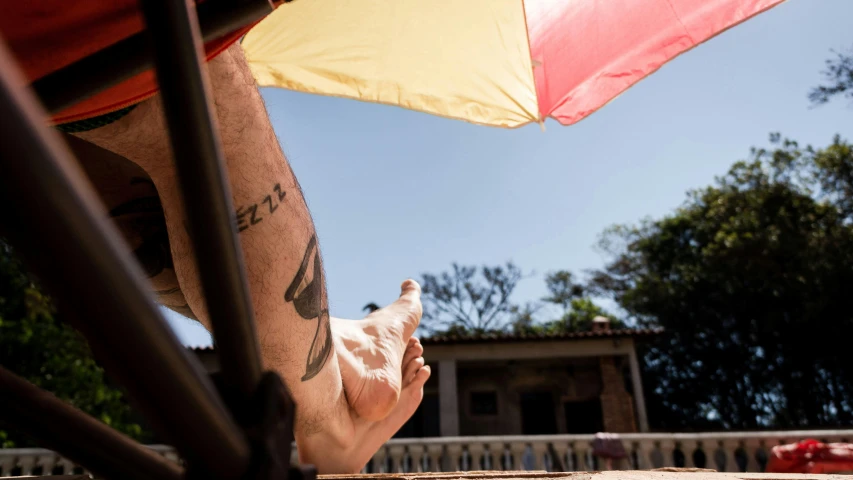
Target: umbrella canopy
501, 63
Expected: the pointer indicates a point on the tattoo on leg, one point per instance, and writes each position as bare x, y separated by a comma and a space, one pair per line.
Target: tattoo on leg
306, 292
252, 215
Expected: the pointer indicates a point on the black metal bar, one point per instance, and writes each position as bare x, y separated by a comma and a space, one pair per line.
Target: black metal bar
173, 30
61, 427
131, 56
54, 219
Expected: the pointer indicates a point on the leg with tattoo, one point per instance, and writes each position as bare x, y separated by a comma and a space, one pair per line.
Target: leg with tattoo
355, 382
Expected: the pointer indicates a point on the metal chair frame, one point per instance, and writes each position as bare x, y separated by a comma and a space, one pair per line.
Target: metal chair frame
237, 425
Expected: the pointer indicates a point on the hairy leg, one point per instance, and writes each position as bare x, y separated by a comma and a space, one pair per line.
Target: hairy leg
285, 275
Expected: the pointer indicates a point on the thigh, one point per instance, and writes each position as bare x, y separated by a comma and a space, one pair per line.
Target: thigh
133, 203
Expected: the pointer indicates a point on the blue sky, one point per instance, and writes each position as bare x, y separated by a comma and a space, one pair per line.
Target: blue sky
396, 193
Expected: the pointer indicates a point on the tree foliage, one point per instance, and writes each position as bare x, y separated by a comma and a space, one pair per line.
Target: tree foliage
751, 277
562, 289
469, 299
37, 346
838, 77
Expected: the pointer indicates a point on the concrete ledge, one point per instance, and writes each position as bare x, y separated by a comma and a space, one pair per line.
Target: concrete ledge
670, 474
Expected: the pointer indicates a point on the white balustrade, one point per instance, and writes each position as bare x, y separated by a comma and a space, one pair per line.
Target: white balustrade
724, 451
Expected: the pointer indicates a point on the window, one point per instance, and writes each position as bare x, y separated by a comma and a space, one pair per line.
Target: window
484, 403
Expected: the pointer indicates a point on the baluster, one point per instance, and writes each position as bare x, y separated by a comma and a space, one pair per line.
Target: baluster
634, 456
677, 456
667, 448
656, 459
581, 449
47, 462
476, 450
752, 445
741, 457
454, 455
416, 452
26, 462
722, 458
761, 457
434, 452
465, 460
294, 456
379, 460
687, 448
66, 464
506, 459
539, 449
496, 453
559, 450
569, 463
7, 463
397, 451
700, 456
518, 449
645, 448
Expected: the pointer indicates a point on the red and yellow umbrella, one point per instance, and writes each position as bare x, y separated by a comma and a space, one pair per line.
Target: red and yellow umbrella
501, 63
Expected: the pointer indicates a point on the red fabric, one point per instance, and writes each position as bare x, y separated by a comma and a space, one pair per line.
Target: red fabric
46, 35
586, 53
811, 456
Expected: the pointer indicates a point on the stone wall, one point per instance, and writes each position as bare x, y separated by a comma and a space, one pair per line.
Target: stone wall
617, 405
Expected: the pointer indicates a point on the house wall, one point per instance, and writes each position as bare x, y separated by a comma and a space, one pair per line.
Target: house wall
565, 379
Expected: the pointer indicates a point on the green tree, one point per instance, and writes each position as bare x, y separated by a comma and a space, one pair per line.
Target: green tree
470, 300
838, 78
582, 311
562, 289
751, 278
37, 346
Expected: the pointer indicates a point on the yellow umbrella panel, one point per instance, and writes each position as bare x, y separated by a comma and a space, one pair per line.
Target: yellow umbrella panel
462, 59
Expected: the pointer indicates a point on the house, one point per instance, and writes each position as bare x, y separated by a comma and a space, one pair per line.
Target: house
509, 384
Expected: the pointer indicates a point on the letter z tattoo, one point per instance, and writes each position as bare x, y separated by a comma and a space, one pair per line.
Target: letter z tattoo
252, 214
306, 292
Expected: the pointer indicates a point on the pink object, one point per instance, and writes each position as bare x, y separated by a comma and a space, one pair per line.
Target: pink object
586, 52
811, 456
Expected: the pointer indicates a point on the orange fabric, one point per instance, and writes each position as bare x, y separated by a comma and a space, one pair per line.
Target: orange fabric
46, 35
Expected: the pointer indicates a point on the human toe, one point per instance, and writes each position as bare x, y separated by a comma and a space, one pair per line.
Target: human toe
411, 369
413, 350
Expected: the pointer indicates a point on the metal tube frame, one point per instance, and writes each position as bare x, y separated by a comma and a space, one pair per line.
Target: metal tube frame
131, 56
27, 407
172, 29
60, 228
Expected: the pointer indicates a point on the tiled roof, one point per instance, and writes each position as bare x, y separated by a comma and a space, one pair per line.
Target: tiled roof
512, 337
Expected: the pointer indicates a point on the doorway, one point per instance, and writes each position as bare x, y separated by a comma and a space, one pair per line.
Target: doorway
538, 415
584, 416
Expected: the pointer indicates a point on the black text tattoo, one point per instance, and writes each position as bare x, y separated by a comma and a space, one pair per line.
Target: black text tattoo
306, 291
253, 214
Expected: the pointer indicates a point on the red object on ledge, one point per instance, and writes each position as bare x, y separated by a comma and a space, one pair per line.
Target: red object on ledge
811, 456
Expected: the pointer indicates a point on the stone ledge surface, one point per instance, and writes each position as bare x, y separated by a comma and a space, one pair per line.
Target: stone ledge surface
665, 474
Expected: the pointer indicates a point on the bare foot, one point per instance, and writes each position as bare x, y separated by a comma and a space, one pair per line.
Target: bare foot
374, 354
369, 436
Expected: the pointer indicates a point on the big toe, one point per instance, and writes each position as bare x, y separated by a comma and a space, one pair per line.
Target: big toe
410, 287
410, 304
